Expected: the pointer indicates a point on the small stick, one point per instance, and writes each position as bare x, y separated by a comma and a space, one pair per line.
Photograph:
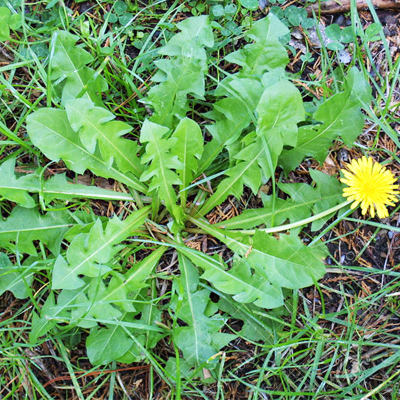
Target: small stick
94, 373
334, 7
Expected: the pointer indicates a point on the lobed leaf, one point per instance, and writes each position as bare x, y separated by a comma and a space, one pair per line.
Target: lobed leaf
26, 225
188, 149
246, 172
104, 345
17, 280
122, 286
231, 118
95, 127
163, 162
304, 201
266, 53
279, 110
8, 21
200, 339
339, 117
255, 327
181, 74
68, 63
283, 262
57, 187
239, 281
89, 253
13, 188
50, 131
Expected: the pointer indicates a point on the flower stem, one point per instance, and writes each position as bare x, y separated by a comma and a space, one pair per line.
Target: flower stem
298, 223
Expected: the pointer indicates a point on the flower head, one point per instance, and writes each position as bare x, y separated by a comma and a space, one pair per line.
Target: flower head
369, 185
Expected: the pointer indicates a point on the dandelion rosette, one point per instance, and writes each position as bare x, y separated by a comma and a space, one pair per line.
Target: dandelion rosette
370, 185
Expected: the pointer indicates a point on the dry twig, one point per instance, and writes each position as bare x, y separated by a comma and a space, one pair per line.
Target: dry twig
335, 7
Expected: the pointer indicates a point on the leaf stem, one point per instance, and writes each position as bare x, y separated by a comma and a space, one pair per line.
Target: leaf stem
298, 223
280, 228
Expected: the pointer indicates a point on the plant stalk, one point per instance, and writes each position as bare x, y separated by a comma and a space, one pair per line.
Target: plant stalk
285, 227
298, 223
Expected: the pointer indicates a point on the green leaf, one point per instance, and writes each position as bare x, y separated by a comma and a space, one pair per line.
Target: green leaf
340, 117
268, 28
279, 110
283, 262
89, 253
255, 327
162, 163
373, 31
150, 314
244, 89
287, 262
266, 53
26, 225
304, 201
188, 149
333, 32
249, 4
198, 341
8, 21
59, 187
15, 189
95, 126
218, 10
238, 281
40, 324
121, 286
17, 280
56, 187
83, 306
50, 131
68, 64
178, 79
104, 345
248, 171
185, 370
279, 211
326, 194
195, 33
181, 74
231, 118
296, 16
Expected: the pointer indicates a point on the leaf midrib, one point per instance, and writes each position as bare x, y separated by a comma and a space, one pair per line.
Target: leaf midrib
244, 247
190, 301
3, 232
134, 184
221, 270
227, 189
104, 245
116, 148
75, 69
164, 180
306, 143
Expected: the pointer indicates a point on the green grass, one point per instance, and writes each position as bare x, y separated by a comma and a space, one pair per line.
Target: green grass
337, 340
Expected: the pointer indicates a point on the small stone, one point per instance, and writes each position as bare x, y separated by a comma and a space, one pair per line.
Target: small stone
314, 36
262, 4
296, 33
344, 56
340, 20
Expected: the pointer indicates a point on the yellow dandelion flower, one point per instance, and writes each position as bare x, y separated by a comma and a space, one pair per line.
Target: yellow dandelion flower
369, 185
